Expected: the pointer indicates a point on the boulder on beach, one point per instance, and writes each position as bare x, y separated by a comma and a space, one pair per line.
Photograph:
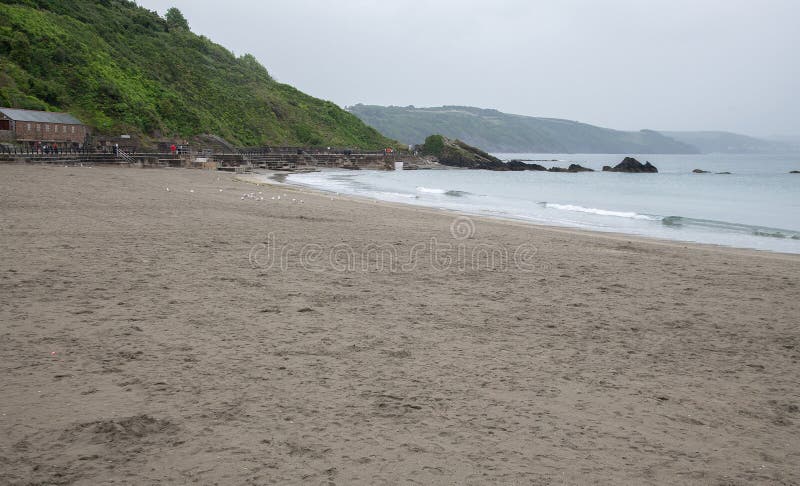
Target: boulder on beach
629, 164
699, 171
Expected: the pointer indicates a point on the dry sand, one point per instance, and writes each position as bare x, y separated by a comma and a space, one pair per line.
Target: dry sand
144, 340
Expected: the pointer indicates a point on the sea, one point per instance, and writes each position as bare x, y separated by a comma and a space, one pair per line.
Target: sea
756, 206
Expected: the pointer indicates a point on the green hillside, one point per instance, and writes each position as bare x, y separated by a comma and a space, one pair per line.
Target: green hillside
500, 132
123, 69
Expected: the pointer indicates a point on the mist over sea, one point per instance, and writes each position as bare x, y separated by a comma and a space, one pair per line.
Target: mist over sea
756, 206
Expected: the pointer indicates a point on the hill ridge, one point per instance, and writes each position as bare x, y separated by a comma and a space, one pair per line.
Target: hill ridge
495, 131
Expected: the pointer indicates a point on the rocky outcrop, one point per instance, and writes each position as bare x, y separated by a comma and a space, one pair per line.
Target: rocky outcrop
631, 165
699, 171
456, 153
571, 168
520, 165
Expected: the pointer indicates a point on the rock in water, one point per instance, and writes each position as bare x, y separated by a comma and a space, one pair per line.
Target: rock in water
571, 168
699, 171
578, 168
629, 164
456, 153
516, 165
520, 165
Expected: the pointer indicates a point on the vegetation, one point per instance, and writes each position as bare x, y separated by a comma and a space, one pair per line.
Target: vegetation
501, 132
123, 69
175, 19
434, 145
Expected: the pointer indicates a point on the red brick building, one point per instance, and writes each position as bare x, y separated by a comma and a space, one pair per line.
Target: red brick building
30, 126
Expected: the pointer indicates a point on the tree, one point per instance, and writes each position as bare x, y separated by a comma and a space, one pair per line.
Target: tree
176, 20
434, 145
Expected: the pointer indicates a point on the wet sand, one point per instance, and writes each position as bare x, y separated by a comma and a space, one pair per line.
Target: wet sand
150, 336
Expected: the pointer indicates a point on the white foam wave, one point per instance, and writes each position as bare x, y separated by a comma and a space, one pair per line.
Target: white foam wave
600, 212
430, 190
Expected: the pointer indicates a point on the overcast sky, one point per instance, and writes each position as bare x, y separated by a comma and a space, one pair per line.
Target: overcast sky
627, 64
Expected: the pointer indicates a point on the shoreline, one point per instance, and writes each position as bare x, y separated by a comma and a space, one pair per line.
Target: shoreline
279, 179
150, 336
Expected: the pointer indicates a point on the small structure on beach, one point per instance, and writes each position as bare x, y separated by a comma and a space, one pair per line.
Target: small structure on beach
40, 127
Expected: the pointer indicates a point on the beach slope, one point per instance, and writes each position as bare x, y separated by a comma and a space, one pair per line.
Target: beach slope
170, 326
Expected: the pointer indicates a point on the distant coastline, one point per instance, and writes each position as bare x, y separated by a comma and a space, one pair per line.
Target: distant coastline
495, 131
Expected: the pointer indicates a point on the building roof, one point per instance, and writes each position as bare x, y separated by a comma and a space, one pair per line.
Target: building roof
39, 116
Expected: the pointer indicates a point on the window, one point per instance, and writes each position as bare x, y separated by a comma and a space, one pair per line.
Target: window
28, 127
5, 125
73, 128
38, 127
47, 127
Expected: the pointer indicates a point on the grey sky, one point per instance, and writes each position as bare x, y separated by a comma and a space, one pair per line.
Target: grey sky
627, 64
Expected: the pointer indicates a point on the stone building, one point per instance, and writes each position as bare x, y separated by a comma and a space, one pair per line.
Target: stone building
42, 127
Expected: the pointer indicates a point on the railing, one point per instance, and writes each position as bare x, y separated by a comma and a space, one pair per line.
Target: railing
125, 156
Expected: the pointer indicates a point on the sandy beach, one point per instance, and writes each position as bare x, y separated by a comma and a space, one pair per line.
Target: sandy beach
171, 327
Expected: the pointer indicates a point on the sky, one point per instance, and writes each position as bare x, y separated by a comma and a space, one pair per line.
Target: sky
627, 64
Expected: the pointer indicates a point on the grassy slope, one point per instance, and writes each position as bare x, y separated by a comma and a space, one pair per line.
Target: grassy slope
501, 132
121, 69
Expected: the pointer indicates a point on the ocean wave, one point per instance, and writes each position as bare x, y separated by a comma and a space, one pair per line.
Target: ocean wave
430, 190
710, 224
436, 190
600, 212
396, 194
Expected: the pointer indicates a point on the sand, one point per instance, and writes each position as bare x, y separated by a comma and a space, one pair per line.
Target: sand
145, 339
